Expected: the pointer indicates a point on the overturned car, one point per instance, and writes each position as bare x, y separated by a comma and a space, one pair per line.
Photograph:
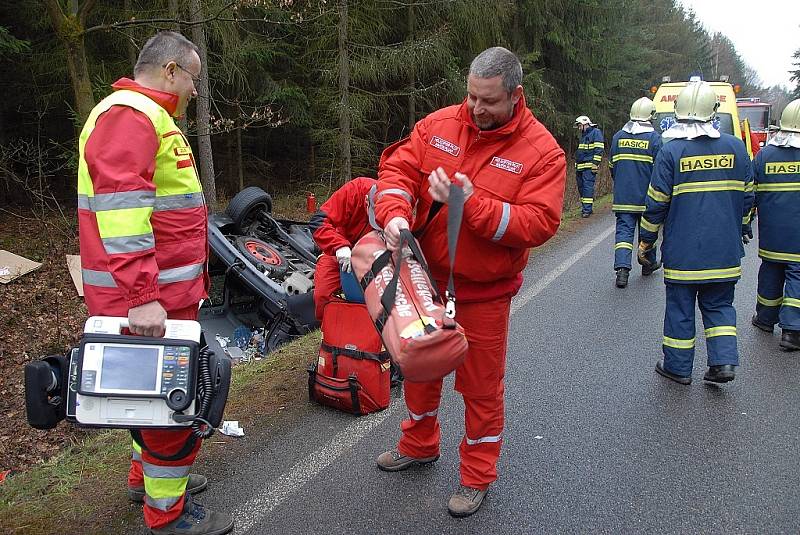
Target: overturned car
262, 273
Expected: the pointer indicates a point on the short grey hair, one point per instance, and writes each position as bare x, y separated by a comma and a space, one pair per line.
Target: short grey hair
163, 47
498, 61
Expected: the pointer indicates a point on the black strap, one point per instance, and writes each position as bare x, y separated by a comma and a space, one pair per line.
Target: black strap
187, 448
434, 209
354, 387
383, 356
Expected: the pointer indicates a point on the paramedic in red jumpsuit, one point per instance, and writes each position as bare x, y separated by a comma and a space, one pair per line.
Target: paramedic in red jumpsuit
340, 222
139, 179
513, 173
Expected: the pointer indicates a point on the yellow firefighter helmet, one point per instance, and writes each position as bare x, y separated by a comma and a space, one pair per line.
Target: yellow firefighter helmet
643, 110
696, 102
790, 118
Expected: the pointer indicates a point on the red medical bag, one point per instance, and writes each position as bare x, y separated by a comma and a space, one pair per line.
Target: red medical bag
352, 372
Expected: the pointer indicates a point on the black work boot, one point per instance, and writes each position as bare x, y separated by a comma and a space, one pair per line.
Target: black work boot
720, 374
622, 277
660, 370
763, 326
790, 340
197, 483
394, 461
650, 268
197, 520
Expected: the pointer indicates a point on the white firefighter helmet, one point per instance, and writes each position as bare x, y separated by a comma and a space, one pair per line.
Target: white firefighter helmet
583, 120
696, 102
790, 118
643, 110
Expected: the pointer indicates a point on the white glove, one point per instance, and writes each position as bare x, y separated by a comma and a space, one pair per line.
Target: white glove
343, 257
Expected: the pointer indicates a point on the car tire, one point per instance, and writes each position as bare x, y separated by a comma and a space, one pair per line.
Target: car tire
246, 204
266, 256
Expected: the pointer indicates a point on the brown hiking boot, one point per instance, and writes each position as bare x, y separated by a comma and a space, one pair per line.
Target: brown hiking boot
197, 520
394, 461
196, 484
465, 501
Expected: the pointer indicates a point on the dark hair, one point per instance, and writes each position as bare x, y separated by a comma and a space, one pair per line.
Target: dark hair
498, 61
163, 47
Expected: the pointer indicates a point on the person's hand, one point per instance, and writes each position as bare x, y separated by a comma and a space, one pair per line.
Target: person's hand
343, 255
392, 232
641, 255
595, 168
147, 319
439, 187
747, 234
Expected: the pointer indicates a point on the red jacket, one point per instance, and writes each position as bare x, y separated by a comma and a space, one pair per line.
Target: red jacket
121, 156
342, 220
519, 172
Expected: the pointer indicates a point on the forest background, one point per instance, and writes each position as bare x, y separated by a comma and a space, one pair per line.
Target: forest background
301, 95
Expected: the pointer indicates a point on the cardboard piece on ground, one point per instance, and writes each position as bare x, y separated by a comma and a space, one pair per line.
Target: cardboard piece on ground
74, 266
14, 266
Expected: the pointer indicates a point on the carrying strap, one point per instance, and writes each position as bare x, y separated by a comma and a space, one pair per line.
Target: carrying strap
383, 356
187, 448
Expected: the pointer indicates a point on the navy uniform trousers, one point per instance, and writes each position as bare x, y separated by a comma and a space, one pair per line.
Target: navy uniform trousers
627, 223
585, 179
719, 319
779, 294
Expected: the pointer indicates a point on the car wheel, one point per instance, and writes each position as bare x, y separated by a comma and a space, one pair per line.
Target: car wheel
264, 255
245, 206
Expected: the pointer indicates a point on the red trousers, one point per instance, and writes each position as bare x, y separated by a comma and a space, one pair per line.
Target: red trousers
326, 282
480, 381
158, 508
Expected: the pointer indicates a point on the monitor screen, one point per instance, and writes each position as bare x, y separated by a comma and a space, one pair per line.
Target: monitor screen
129, 368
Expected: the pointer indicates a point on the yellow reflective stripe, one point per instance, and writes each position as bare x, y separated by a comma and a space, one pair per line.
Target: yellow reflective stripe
165, 487
125, 222
749, 186
678, 343
137, 448
634, 157
597, 145
628, 207
778, 186
712, 185
723, 330
774, 255
597, 157
583, 146
702, 274
623, 245
586, 165
657, 195
587, 200
769, 302
647, 225
791, 302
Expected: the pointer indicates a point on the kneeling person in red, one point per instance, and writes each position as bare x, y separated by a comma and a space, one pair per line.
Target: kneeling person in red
513, 174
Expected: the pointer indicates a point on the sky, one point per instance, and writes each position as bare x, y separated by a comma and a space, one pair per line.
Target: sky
766, 33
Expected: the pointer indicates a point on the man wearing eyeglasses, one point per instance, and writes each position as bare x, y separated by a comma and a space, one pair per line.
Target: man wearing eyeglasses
143, 239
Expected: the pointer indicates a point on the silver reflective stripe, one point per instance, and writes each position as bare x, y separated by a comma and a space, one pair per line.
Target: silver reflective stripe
495, 438
162, 504
395, 191
137, 456
165, 472
129, 244
371, 207
176, 202
117, 201
419, 417
98, 278
503, 225
178, 274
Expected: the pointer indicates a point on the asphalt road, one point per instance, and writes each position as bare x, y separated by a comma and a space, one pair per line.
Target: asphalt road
595, 440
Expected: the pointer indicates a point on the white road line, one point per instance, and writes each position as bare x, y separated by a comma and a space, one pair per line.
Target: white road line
523, 298
272, 495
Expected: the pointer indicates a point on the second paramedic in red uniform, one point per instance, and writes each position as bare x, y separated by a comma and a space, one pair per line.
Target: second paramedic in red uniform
340, 222
513, 173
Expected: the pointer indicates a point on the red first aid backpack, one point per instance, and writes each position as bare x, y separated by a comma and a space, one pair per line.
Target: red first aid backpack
352, 372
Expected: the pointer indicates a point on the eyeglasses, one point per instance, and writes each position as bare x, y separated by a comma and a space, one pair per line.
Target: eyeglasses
195, 79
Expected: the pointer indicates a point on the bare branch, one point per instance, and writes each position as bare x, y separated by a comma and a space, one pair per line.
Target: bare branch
137, 22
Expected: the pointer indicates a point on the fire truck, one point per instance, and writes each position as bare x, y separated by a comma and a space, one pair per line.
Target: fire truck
758, 114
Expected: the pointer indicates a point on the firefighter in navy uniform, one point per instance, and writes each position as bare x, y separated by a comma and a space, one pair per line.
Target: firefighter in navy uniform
776, 173
587, 161
702, 193
633, 151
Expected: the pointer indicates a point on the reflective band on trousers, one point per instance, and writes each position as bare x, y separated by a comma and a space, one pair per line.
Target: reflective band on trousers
164, 485
492, 438
623, 245
791, 302
104, 279
587, 200
769, 302
139, 199
678, 343
502, 226
418, 417
723, 330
